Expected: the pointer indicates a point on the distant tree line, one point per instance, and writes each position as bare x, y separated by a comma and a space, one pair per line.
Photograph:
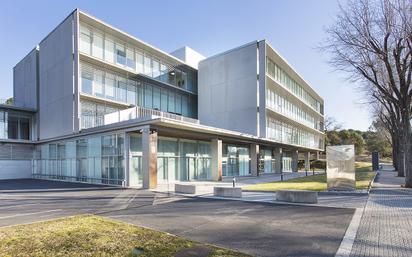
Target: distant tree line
375, 139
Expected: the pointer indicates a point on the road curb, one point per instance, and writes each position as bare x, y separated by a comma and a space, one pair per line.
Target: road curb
346, 244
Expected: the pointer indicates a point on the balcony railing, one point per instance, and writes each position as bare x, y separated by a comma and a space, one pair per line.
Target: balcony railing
90, 121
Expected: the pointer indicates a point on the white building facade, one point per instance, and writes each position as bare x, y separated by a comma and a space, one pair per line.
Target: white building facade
108, 108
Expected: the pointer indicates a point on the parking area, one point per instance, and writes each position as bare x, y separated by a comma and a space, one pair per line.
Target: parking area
257, 228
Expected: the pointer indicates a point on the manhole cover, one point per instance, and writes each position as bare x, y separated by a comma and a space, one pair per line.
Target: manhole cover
196, 251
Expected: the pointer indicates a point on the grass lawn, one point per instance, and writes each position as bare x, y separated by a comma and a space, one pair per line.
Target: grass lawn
89, 235
363, 173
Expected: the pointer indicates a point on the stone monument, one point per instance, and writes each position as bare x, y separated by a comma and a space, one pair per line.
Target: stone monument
340, 167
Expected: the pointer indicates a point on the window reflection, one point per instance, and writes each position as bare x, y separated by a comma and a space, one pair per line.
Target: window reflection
14, 125
102, 46
98, 82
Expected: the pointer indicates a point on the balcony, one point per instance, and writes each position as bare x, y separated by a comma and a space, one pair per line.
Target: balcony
91, 121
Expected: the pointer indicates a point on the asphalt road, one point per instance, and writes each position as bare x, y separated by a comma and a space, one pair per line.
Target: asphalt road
260, 229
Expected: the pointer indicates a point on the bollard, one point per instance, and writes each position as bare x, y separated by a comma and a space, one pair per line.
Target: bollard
234, 182
306, 172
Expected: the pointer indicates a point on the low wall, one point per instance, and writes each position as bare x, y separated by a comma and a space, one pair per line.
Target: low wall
297, 196
185, 189
15, 169
235, 192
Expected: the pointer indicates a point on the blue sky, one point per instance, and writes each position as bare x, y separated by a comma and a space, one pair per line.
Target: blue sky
293, 27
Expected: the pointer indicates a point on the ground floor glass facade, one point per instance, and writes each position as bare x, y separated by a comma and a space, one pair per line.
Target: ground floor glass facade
177, 159
97, 159
235, 160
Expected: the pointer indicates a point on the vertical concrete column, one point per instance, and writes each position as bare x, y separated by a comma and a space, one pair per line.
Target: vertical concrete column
254, 160
216, 165
277, 153
127, 158
295, 158
317, 155
307, 161
149, 158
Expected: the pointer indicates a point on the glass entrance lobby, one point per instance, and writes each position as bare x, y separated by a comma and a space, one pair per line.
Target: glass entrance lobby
177, 160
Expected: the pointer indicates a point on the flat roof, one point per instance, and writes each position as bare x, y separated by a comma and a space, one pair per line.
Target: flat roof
16, 108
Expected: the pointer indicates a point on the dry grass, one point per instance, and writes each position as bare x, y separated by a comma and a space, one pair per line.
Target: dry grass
89, 235
363, 173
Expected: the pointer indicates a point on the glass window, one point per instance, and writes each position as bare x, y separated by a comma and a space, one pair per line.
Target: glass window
148, 96
130, 59
3, 124
13, 127
139, 93
139, 63
156, 98
164, 100
185, 105
179, 79
87, 81
85, 39
110, 86
147, 66
163, 73
97, 45
109, 50
120, 54
184, 80
131, 92
121, 89
171, 77
156, 68
171, 105
178, 104
98, 83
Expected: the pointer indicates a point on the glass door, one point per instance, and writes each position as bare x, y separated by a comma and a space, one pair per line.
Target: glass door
136, 179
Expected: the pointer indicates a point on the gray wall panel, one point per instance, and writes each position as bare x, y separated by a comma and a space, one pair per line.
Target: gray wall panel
56, 81
15, 169
227, 96
25, 81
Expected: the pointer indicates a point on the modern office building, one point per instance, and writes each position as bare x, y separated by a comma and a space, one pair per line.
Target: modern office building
95, 104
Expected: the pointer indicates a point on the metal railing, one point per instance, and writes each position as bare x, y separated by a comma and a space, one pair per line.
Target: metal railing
90, 121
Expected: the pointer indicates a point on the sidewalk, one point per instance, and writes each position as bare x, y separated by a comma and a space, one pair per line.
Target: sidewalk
386, 225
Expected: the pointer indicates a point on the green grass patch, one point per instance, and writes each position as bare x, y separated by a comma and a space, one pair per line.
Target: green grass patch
89, 235
363, 174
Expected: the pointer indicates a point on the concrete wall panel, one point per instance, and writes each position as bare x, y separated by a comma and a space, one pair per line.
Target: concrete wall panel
15, 169
57, 81
227, 90
25, 81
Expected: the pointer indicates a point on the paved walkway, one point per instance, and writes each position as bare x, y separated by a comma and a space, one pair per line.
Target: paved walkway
206, 187
386, 225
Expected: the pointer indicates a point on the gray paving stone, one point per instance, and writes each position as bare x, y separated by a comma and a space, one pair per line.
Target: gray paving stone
386, 225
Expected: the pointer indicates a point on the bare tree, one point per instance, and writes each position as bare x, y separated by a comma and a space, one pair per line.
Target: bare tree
386, 123
330, 124
372, 41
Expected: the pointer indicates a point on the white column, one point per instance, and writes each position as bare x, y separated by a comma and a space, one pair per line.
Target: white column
254, 155
295, 158
216, 163
127, 158
307, 161
149, 158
